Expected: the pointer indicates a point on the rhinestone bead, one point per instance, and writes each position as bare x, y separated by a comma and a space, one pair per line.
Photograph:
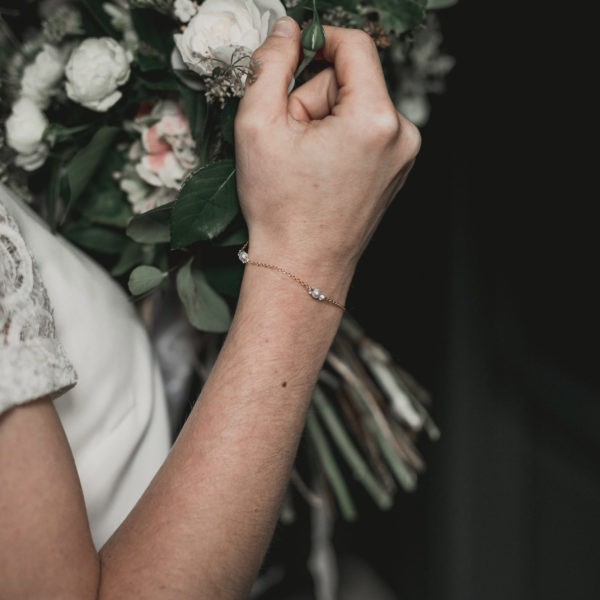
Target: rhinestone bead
243, 256
317, 294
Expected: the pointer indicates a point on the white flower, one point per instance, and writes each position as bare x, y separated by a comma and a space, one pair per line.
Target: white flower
220, 27
43, 74
184, 10
97, 67
25, 132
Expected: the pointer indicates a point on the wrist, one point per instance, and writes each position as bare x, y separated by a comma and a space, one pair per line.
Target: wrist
320, 281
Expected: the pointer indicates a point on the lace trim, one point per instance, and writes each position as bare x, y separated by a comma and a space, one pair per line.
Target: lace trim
32, 361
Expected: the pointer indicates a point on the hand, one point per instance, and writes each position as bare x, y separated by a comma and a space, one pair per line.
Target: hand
317, 169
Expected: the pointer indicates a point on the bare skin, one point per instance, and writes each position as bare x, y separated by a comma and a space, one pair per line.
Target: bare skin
316, 171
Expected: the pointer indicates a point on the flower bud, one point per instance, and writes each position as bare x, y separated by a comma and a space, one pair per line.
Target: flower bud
313, 36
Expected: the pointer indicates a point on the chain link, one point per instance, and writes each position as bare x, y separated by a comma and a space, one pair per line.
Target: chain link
312, 291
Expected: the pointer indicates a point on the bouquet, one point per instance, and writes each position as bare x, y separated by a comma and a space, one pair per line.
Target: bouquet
118, 129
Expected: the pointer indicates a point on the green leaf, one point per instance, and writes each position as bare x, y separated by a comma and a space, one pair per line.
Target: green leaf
195, 108
154, 32
83, 165
206, 204
437, 4
228, 118
205, 309
56, 132
400, 15
226, 280
101, 18
106, 207
235, 237
152, 227
95, 238
144, 278
164, 82
132, 255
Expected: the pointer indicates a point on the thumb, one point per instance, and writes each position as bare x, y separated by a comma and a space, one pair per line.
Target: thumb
274, 65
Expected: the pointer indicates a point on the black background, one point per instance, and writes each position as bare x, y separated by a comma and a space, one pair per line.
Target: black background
493, 246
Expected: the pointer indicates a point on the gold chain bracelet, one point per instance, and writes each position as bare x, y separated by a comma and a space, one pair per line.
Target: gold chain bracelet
313, 292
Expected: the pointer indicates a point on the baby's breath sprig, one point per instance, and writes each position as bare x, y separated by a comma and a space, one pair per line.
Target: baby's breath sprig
313, 40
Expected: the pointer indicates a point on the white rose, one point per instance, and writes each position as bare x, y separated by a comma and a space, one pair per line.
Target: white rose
42, 75
184, 10
97, 67
220, 27
24, 133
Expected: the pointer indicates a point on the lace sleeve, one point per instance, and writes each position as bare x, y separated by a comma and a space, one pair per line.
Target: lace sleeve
33, 363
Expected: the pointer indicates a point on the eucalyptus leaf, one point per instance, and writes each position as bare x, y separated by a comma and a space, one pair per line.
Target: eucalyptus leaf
151, 227
84, 164
144, 279
205, 309
206, 204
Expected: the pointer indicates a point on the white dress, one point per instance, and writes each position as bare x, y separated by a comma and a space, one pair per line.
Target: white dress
83, 345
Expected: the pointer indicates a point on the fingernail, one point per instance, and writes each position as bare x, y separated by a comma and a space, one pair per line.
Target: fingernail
284, 27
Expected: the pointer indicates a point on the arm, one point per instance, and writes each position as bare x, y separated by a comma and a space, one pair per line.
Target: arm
315, 174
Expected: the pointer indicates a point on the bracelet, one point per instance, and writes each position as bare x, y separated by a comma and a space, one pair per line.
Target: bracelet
313, 292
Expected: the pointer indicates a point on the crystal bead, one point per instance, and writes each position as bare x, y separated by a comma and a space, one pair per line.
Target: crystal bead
243, 256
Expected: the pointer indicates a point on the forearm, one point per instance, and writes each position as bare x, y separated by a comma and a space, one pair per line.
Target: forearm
203, 526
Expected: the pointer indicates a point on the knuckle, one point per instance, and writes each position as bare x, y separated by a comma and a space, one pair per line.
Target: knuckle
384, 125
361, 38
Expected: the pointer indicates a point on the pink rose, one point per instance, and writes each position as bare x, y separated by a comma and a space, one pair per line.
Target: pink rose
168, 147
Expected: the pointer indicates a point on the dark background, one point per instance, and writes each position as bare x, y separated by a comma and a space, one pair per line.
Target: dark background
493, 247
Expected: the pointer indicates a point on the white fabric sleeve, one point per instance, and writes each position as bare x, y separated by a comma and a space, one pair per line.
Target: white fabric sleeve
33, 363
